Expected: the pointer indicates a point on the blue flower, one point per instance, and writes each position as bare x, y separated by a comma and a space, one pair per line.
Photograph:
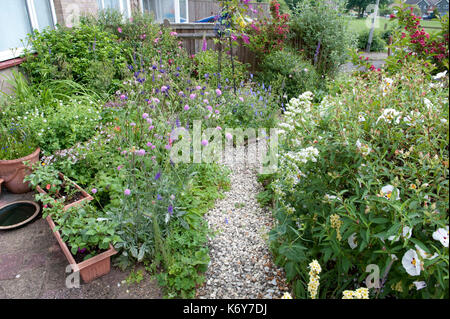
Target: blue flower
157, 176
170, 209
158, 197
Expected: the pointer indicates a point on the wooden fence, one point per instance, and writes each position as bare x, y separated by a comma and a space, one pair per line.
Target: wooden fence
200, 9
192, 36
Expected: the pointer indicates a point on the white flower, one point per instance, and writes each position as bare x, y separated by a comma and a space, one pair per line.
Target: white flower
442, 235
361, 117
352, 241
286, 296
420, 284
363, 148
390, 115
411, 263
406, 233
440, 75
386, 191
428, 104
444, 121
424, 254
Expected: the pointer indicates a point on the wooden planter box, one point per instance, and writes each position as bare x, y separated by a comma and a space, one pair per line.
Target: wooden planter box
93, 267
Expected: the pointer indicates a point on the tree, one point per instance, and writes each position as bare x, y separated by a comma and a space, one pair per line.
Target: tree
361, 5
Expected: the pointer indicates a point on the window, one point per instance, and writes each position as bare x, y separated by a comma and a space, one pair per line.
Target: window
19, 18
123, 6
176, 11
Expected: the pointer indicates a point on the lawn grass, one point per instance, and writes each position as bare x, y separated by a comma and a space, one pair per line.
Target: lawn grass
358, 25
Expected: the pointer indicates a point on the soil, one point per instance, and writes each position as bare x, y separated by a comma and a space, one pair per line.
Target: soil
79, 257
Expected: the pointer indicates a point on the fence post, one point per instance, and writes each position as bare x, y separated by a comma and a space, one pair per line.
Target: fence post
389, 45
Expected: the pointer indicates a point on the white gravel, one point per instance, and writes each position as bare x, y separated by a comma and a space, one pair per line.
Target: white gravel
241, 264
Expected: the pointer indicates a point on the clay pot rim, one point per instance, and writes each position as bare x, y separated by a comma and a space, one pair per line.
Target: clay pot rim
20, 160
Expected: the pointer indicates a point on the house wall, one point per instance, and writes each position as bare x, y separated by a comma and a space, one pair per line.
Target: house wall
442, 7
68, 11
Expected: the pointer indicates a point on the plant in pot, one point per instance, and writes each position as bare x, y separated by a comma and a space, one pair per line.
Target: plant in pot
84, 234
47, 180
18, 145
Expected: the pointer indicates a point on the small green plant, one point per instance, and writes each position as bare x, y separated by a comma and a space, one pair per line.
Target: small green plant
135, 276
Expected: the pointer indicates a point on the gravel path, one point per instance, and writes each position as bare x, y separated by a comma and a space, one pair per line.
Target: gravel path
241, 264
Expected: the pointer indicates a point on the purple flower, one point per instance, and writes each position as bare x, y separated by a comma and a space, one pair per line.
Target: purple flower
168, 147
192, 96
205, 45
172, 197
127, 192
82, 250
149, 121
145, 115
149, 144
157, 176
153, 147
204, 142
141, 152
123, 97
186, 107
151, 127
158, 197
94, 190
132, 124
163, 88
119, 167
170, 209
119, 29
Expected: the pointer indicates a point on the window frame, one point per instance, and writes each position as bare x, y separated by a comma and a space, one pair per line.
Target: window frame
121, 8
13, 53
177, 10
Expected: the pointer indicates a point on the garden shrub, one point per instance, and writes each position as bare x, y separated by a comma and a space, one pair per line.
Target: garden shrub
206, 66
321, 33
413, 43
296, 74
363, 179
82, 54
377, 44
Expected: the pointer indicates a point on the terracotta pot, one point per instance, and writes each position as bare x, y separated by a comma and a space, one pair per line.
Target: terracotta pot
91, 268
12, 172
86, 196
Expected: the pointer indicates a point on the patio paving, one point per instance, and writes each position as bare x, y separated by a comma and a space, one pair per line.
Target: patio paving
32, 266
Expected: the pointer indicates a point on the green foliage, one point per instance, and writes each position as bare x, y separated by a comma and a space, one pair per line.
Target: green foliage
363, 179
206, 64
319, 22
82, 54
295, 73
16, 141
377, 44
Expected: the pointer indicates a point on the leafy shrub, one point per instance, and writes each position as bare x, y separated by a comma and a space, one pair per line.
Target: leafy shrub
206, 65
321, 32
363, 179
377, 45
296, 74
266, 35
412, 43
82, 54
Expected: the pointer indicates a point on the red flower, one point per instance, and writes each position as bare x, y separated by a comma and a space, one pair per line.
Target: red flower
48, 186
